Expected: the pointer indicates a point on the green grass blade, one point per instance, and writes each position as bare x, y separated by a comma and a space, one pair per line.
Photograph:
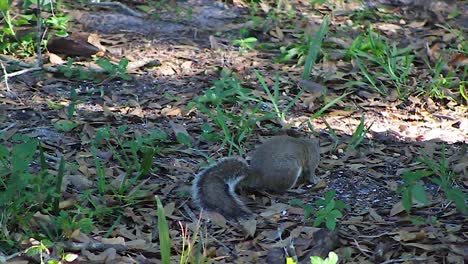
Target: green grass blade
58, 186
164, 238
330, 104
314, 47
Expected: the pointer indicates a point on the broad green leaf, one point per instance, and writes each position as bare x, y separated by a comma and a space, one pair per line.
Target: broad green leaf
184, 139
65, 125
419, 194
316, 260
331, 223
332, 258
5, 6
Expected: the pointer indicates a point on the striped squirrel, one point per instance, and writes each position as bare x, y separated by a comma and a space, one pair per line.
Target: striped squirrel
275, 166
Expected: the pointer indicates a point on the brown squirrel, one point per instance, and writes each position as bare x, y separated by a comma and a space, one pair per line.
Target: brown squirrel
275, 166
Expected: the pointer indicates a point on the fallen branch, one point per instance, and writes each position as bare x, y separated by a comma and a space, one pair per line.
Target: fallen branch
127, 10
92, 246
404, 260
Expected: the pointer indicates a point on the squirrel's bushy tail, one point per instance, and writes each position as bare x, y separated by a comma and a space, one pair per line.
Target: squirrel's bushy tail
214, 188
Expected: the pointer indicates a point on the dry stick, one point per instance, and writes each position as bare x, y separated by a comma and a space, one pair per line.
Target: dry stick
131, 66
363, 251
127, 10
13, 74
403, 260
5, 76
39, 33
93, 246
8, 127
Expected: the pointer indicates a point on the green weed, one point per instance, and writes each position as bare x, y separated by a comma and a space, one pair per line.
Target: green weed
334, 101
11, 43
23, 191
306, 50
445, 178
274, 98
395, 63
360, 132
361, 16
236, 127
110, 70
314, 47
39, 248
27, 188
329, 212
336, 139
331, 259
164, 236
135, 155
445, 85
115, 70
193, 247
246, 44
412, 189
438, 173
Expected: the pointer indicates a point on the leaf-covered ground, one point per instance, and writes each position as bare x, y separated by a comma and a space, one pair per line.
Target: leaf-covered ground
419, 117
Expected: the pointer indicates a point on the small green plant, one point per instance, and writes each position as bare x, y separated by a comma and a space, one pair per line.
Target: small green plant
336, 139
314, 47
110, 70
274, 98
445, 85
296, 51
307, 49
331, 259
193, 247
445, 178
135, 155
361, 16
72, 71
25, 191
329, 212
395, 63
115, 70
412, 189
360, 132
438, 173
12, 43
329, 104
67, 223
39, 248
246, 43
236, 127
164, 236
67, 125
306, 206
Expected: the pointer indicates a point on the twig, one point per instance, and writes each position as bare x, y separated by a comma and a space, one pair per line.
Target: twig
93, 246
39, 33
189, 212
363, 251
15, 62
5, 76
403, 260
127, 10
13, 74
27, 65
7, 128
148, 62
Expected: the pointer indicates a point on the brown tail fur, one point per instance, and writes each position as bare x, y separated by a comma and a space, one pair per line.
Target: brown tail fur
214, 188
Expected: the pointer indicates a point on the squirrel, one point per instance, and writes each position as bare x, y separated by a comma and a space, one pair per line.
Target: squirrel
275, 166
